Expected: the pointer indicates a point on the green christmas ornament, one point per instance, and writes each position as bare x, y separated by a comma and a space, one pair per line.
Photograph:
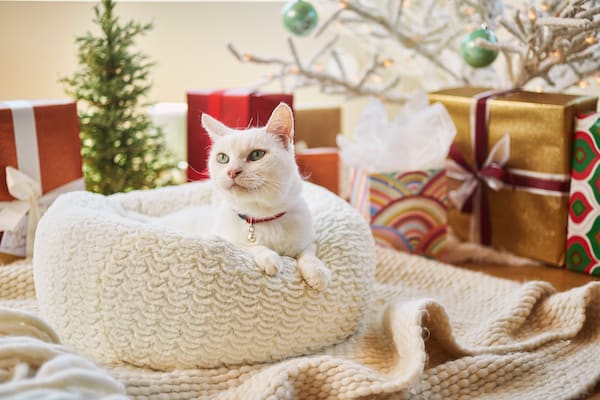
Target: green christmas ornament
475, 56
299, 17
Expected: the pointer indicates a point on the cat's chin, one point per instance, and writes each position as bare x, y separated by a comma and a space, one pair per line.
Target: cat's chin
239, 189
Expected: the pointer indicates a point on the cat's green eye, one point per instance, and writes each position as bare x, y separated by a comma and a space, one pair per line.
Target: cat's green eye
256, 155
222, 158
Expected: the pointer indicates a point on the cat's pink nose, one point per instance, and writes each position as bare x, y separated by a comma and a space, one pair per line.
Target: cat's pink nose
233, 173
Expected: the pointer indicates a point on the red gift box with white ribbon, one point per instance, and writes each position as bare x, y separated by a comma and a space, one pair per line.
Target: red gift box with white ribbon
40, 157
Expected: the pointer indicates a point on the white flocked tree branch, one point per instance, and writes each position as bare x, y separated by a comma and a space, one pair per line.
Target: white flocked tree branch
552, 45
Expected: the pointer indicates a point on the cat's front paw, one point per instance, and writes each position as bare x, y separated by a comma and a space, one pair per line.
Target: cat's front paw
268, 262
314, 272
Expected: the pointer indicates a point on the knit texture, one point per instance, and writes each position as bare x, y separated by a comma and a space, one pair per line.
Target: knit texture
120, 290
433, 332
35, 366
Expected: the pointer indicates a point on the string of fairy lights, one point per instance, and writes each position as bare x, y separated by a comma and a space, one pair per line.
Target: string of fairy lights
552, 46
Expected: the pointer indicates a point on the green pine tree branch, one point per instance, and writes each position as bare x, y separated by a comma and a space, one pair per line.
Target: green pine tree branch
122, 149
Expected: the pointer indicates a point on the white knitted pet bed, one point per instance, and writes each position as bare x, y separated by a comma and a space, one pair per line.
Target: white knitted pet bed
119, 290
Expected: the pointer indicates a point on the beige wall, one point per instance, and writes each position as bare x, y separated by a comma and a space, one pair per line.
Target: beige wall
187, 42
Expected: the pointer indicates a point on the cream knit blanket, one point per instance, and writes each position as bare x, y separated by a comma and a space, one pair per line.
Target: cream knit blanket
433, 332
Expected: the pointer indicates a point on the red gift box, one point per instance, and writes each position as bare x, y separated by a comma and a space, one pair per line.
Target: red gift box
236, 109
40, 139
321, 166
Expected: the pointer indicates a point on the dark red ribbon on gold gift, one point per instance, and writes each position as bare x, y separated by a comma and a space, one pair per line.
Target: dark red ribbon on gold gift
490, 170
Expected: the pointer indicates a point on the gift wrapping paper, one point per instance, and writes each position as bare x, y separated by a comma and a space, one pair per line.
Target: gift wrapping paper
172, 118
235, 108
583, 237
533, 223
40, 139
320, 166
51, 154
317, 126
406, 210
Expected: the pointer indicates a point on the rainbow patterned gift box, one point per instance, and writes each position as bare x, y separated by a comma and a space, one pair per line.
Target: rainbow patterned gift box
583, 235
406, 210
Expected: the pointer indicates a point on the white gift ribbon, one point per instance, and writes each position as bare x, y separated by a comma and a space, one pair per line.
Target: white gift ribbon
29, 197
27, 192
24, 184
498, 156
25, 137
25, 188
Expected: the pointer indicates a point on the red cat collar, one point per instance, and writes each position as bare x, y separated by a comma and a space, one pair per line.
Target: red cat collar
252, 221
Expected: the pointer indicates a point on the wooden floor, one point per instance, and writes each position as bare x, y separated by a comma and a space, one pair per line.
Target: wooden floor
560, 278
7, 258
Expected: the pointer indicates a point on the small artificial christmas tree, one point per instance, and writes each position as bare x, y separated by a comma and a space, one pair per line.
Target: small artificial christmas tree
121, 148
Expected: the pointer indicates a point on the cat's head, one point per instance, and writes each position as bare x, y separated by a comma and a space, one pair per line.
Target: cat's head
254, 166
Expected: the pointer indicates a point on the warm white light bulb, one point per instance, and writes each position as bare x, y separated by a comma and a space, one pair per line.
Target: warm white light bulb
583, 84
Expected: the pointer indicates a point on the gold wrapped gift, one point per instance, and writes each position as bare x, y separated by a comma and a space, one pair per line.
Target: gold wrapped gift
317, 126
529, 223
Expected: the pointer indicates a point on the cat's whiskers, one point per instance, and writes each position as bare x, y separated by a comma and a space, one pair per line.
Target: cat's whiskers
273, 186
251, 180
258, 182
246, 184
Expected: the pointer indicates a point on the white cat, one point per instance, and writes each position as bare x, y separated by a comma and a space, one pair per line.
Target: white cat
254, 174
263, 211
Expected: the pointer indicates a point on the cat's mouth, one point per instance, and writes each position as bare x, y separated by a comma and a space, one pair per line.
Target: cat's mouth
243, 185
236, 187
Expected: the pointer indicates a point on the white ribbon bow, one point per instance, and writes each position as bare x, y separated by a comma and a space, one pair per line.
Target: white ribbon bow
497, 157
28, 193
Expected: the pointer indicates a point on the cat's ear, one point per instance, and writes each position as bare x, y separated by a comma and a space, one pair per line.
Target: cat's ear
281, 124
214, 127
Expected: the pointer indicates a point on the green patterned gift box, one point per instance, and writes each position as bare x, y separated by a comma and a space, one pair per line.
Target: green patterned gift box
583, 239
